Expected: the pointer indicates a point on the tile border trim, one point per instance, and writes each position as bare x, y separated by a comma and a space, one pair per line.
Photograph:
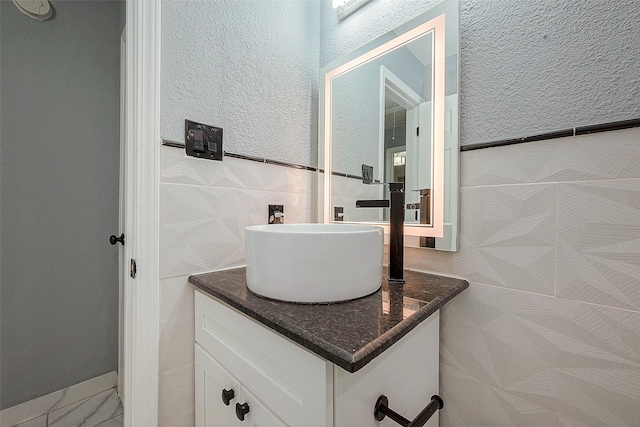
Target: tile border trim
575, 131
264, 160
181, 145
581, 130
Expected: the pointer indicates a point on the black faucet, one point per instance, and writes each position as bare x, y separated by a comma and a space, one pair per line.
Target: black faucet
396, 228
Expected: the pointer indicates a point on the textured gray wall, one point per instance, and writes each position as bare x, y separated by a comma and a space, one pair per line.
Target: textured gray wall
59, 177
122, 15
527, 66
250, 67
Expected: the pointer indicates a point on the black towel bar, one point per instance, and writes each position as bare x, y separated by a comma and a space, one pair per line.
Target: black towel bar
382, 410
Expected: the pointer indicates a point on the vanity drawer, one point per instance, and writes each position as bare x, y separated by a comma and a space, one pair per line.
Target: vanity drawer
290, 380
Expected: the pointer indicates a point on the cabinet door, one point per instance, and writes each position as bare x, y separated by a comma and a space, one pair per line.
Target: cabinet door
407, 373
211, 379
259, 415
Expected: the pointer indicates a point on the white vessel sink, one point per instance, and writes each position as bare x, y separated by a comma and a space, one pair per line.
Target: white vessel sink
314, 263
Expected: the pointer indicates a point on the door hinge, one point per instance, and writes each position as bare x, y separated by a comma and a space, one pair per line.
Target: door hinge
133, 269
418, 131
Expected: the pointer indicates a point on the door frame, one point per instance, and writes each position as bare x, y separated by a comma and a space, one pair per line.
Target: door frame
122, 213
142, 175
392, 86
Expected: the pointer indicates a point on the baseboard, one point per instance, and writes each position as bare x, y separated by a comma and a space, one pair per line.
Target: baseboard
39, 406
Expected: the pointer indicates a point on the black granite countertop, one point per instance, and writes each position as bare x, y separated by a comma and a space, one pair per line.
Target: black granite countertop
349, 334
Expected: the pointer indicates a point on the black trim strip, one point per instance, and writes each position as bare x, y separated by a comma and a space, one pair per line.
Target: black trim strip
269, 161
176, 144
582, 130
605, 127
503, 142
346, 175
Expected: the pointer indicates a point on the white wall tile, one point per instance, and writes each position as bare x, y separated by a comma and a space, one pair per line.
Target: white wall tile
177, 397
597, 156
507, 238
177, 334
202, 228
566, 421
599, 242
576, 359
113, 422
204, 208
469, 402
36, 422
178, 168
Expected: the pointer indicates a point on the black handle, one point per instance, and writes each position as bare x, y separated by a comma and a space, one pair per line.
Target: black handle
113, 239
227, 396
382, 410
242, 410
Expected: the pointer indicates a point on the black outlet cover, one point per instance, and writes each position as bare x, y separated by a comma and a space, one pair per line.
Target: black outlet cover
203, 141
367, 174
272, 210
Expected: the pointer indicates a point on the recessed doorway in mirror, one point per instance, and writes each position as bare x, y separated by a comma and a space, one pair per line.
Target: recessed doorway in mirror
389, 113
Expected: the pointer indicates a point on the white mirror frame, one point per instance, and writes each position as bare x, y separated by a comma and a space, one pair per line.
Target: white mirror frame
436, 27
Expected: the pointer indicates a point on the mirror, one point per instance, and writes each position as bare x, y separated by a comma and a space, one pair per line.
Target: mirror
389, 113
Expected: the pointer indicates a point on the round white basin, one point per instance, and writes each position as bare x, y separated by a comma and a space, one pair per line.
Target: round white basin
314, 263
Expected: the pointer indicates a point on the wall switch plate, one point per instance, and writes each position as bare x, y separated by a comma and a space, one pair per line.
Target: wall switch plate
367, 174
338, 213
273, 218
203, 141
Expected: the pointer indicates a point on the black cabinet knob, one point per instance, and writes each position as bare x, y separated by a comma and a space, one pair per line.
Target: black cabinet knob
242, 410
113, 239
227, 396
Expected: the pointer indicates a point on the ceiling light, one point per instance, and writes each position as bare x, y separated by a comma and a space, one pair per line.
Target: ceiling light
347, 7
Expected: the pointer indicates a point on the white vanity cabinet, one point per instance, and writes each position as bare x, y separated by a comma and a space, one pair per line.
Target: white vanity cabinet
285, 384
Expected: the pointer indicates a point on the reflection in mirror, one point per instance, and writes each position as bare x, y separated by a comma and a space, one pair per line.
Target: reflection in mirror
391, 106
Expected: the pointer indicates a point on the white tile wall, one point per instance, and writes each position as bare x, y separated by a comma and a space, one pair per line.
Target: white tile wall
202, 228
36, 422
178, 168
518, 358
599, 242
177, 397
114, 422
204, 208
549, 331
596, 156
176, 324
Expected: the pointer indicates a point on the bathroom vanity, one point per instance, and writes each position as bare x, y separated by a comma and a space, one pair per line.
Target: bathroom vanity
262, 362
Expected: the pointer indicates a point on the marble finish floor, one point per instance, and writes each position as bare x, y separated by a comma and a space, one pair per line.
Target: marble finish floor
103, 409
